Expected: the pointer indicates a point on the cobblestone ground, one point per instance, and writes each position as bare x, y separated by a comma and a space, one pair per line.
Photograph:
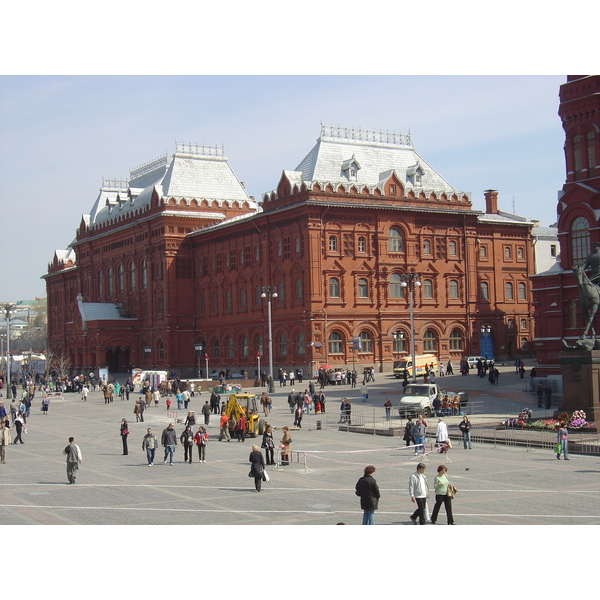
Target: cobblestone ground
497, 485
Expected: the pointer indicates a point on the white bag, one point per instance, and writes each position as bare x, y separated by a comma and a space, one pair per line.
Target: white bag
266, 475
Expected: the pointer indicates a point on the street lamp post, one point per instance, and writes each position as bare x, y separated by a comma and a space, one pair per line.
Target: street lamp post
198, 349
8, 308
270, 291
410, 280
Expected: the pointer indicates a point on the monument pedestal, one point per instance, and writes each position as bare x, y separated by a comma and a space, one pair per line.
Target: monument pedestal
581, 382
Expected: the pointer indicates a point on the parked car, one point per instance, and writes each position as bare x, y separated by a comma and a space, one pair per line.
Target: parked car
472, 360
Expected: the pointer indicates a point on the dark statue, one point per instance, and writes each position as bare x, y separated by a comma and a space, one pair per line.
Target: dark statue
589, 299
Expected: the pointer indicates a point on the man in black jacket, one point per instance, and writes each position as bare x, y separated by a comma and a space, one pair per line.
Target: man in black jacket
368, 490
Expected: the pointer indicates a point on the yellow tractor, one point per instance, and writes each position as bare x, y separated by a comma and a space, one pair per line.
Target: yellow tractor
244, 404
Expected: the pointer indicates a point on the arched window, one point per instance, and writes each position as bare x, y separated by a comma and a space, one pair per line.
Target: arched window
456, 340
299, 289
335, 343
522, 291
281, 291
144, 274
227, 298
429, 341
334, 287
427, 289
362, 244
452, 248
484, 290
132, 277
161, 351
396, 289
483, 252
121, 279
394, 240
109, 281
577, 155
257, 295
215, 352
282, 343
400, 341
300, 344
259, 344
365, 342
298, 245
524, 343
100, 290
591, 153
426, 247
580, 239
453, 289
508, 291
333, 243
243, 297
215, 302
229, 344
245, 350
363, 288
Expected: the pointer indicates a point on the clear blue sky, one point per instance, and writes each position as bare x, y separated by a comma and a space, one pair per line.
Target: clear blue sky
71, 113
61, 134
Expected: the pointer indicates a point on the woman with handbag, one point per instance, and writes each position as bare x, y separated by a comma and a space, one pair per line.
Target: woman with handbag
257, 467
268, 444
124, 434
444, 492
201, 440
285, 446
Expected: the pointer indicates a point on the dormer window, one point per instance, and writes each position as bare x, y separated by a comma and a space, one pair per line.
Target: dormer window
414, 175
350, 169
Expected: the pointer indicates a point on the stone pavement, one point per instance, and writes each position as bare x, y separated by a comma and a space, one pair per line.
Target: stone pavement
497, 485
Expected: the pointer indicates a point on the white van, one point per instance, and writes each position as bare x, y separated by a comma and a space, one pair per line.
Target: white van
421, 360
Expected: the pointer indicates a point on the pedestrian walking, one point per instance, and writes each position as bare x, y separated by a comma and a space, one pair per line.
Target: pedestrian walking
265, 401
388, 409
298, 417
268, 444
18, 423
74, 459
364, 392
444, 492
187, 439
562, 441
465, 429
286, 440
240, 428
45, 404
418, 434
206, 412
124, 434
257, 467
441, 432
408, 436
190, 419
224, 428
201, 440
150, 444
137, 411
368, 490
84, 392
169, 442
418, 490
5, 439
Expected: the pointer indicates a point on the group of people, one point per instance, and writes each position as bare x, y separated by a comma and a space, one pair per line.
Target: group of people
418, 489
415, 431
285, 376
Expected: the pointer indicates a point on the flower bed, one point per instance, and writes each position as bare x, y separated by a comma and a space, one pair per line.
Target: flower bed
524, 421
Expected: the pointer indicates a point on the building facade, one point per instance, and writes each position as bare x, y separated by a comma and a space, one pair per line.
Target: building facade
555, 294
334, 240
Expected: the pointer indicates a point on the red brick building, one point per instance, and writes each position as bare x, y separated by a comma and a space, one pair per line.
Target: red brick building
557, 315
334, 239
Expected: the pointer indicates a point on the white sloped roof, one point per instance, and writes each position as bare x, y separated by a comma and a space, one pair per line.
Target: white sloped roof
192, 172
374, 154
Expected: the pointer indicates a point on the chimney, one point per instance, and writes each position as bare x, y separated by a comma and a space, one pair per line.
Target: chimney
491, 202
